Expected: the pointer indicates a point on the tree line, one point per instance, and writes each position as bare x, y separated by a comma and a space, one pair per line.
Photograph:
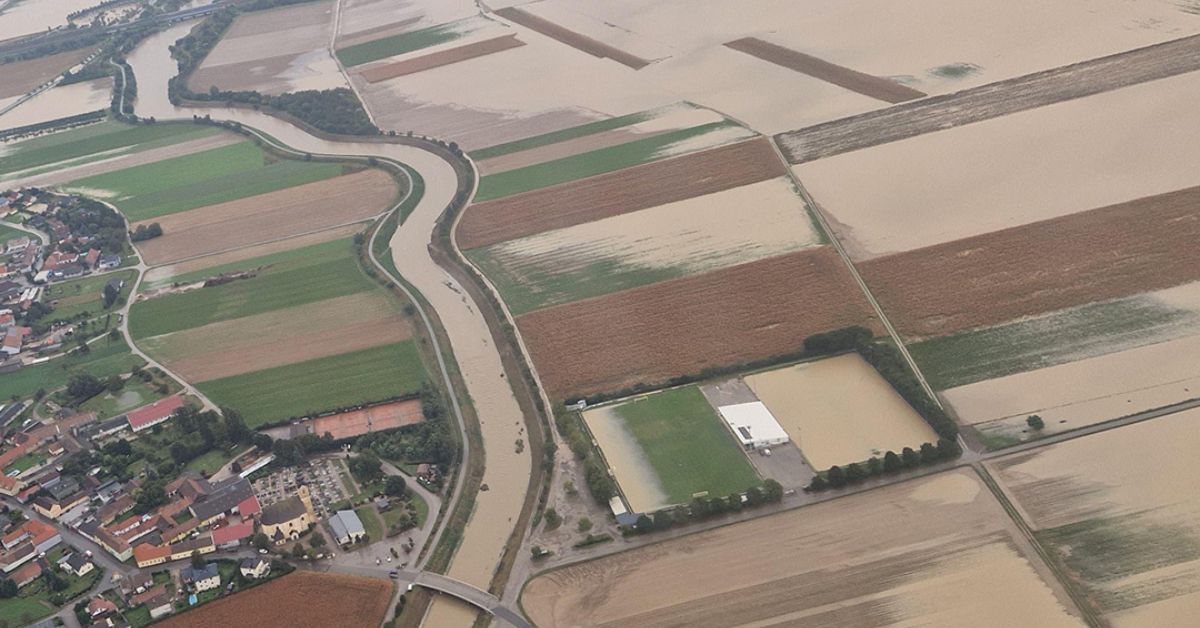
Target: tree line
891, 462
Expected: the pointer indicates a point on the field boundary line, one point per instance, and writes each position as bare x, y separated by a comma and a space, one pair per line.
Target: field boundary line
1086, 611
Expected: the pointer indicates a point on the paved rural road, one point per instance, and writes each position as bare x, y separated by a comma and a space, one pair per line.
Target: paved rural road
507, 471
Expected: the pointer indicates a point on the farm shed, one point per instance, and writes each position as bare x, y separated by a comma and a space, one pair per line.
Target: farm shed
753, 424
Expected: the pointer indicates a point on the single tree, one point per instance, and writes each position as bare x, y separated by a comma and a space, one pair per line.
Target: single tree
198, 561
585, 524
892, 462
855, 473
260, 541
298, 550
1035, 422
836, 477
394, 486
818, 483
929, 453
910, 458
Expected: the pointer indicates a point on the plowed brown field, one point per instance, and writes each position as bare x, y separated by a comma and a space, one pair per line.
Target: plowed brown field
853, 80
730, 316
594, 47
289, 212
618, 192
1106, 253
303, 599
23, 76
442, 57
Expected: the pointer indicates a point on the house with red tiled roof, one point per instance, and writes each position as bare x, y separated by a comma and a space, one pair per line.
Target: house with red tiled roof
99, 607
93, 256
10, 486
146, 555
233, 535
148, 416
26, 574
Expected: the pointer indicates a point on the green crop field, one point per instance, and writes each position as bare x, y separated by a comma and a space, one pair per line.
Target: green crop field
686, 444
531, 286
275, 394
562, 135
200, 179
399, 44
105, 358
94, 142
1056, 338
314, 273
586, 164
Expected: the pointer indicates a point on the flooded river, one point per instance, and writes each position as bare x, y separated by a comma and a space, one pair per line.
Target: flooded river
507, 472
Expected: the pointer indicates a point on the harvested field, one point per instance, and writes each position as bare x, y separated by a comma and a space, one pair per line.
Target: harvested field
61, 102
993, 100
1119, 510
840, 410
1082, 393
1109, 148
305, 599
666, 447
935, 551
449, 56
1058, 337
731, 316
257, 219
252, 343
616, 193
385, 45
164, 274
385, 416
1106, 253
594, 47
297, 58
366, 20
735, 226
21, 77
879, 88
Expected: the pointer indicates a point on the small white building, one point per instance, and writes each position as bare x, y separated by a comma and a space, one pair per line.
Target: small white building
753, 425
347, 527
255, 568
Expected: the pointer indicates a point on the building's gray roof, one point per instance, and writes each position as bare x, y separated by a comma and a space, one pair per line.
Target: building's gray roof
345, 524
76, 561
252, 563
225, 497
190, 574
281, 511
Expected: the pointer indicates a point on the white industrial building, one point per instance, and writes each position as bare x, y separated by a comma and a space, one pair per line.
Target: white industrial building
753, 425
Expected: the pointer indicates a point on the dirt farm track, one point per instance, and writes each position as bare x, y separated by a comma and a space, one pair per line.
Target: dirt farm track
1116, 251
738, 314
993, 100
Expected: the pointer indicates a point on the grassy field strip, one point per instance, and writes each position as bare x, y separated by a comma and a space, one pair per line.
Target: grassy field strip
92, 142
395, 45
555, 137
201, 179
303, 276
84, 295
1060, 337
597, 161
677, 239
278, 393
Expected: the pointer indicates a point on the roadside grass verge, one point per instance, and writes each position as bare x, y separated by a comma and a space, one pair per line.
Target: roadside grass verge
206, 178
687, 446
338, 381
588, 164
314, 273
94, 142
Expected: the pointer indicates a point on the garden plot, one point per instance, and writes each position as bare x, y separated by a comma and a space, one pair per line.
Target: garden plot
666, 447
840, 410
241, 345
1091, 152
1082, 393
934, 551
682, 326
683, 238
1119, 510
297, 58
257, 219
